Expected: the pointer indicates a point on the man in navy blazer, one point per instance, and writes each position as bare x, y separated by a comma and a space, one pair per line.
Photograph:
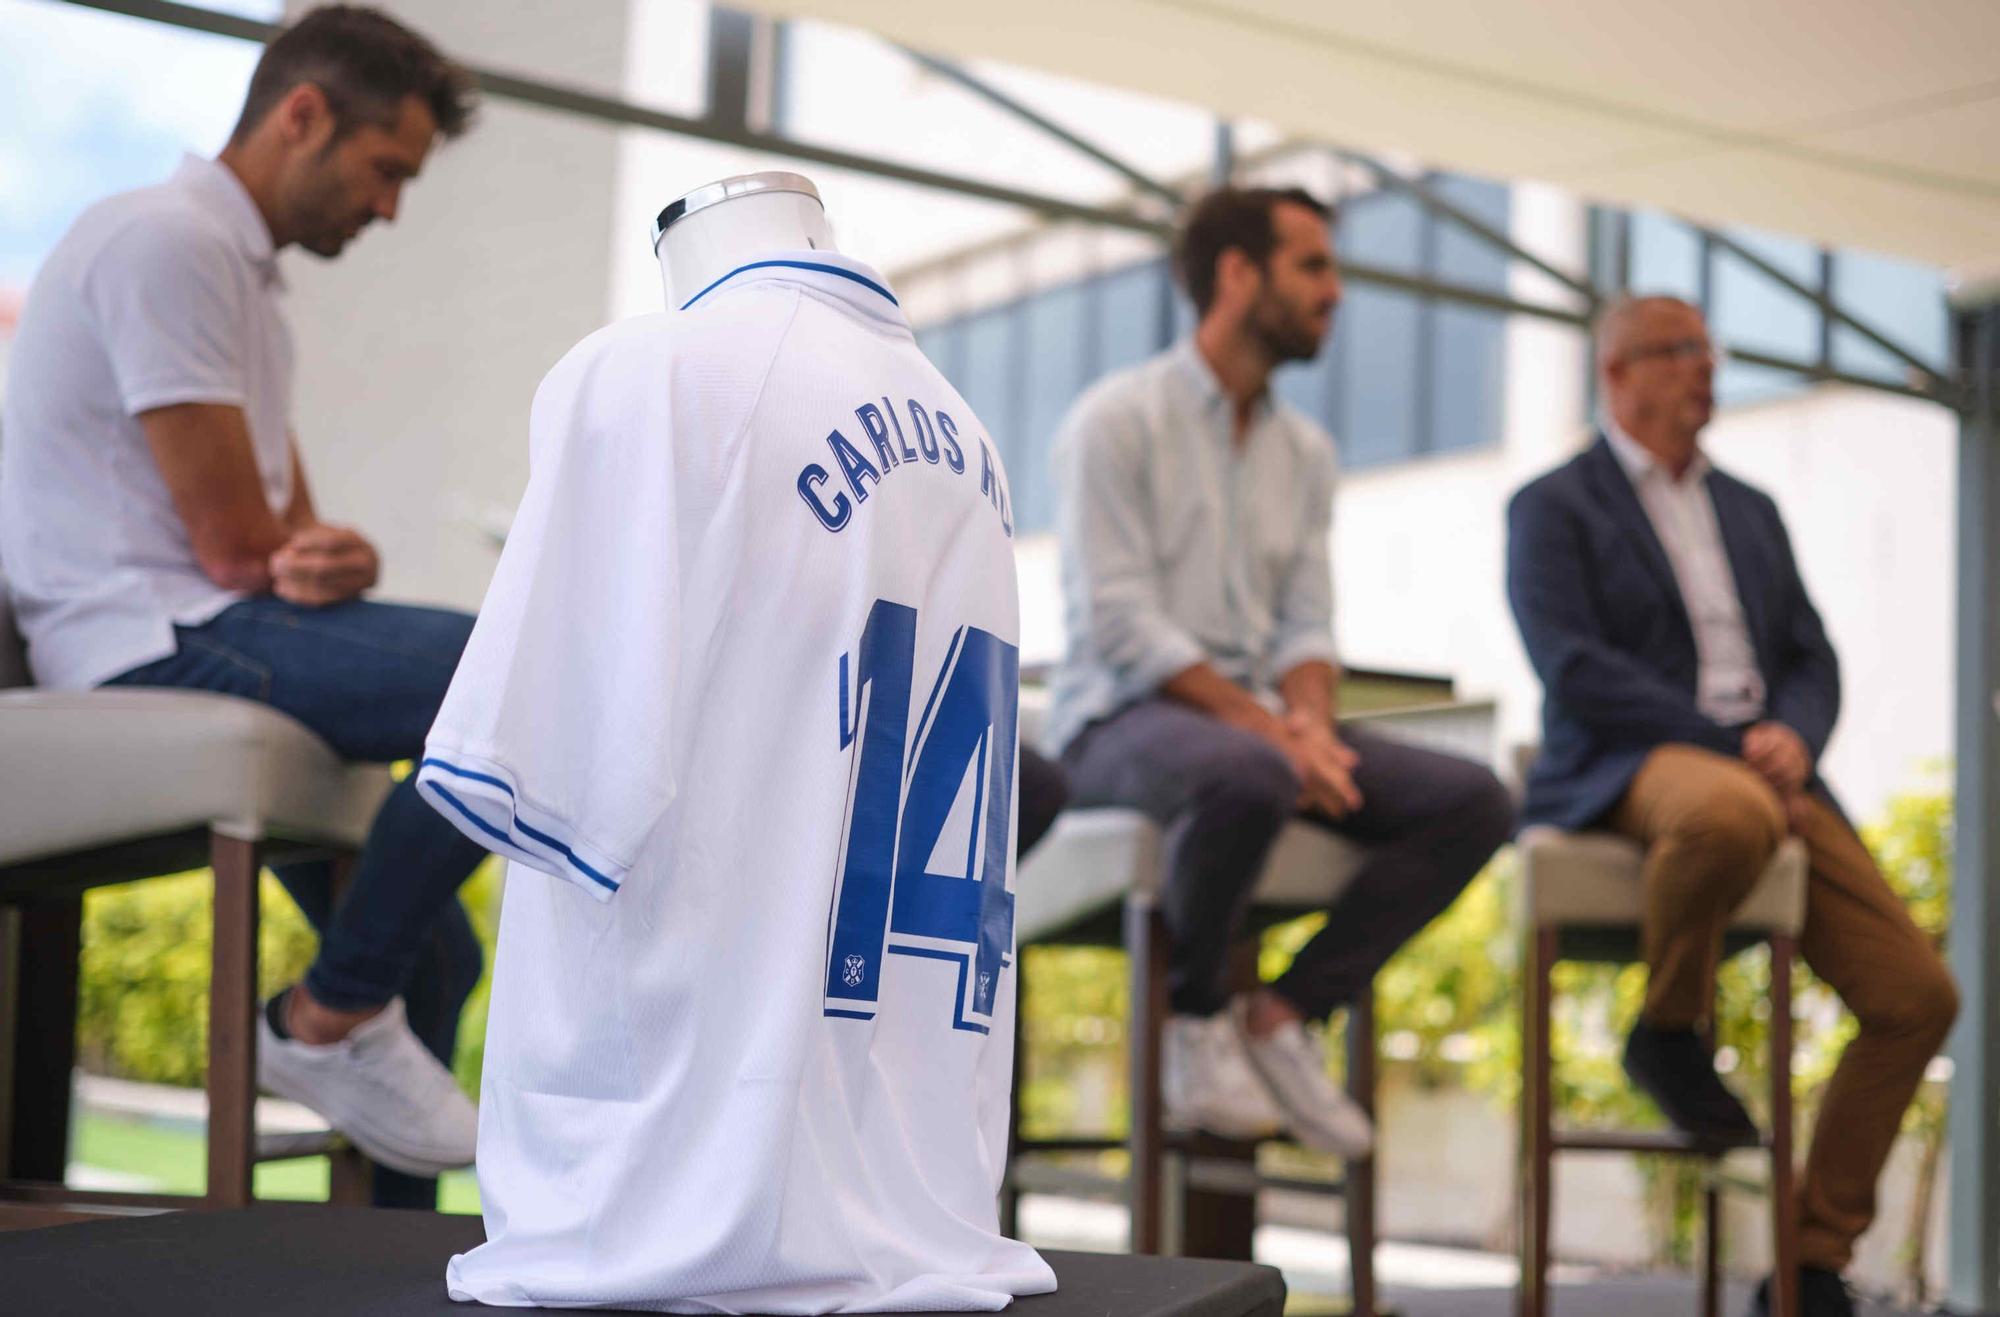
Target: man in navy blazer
1688, 693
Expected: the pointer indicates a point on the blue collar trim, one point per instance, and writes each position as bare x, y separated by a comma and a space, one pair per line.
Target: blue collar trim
865, 282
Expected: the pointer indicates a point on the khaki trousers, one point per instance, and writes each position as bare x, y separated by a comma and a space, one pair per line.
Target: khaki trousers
1710, 825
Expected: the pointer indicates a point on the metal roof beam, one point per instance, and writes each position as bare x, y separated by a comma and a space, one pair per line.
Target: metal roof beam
1027, 114
1478, 228
1822, 299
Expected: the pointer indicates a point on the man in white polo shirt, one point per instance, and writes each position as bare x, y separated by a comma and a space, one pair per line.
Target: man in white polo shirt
156, 529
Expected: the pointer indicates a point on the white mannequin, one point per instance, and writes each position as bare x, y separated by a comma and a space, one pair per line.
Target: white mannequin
726, 225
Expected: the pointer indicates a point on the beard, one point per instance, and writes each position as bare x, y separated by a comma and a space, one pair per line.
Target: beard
1283, 333
326, 222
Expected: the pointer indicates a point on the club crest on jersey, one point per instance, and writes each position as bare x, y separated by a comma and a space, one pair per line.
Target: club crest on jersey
852, 970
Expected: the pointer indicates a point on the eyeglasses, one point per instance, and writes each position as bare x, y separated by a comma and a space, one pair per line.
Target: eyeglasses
1679, 352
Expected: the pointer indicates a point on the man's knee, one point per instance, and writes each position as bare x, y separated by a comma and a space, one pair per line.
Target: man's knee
1735, 819
1487, 808
1923, 1003
1245, 782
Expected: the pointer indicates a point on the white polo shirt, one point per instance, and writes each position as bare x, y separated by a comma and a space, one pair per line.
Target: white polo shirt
165, 295
745, 683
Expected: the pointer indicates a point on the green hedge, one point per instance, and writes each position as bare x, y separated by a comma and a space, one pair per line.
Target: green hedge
142, 1009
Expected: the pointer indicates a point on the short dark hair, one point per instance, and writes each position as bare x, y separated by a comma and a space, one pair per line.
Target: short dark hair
1238, 217
365, 63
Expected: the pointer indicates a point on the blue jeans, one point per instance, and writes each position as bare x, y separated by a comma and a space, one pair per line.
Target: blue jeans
368, 679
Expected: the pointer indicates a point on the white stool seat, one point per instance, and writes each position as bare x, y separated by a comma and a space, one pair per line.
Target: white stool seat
1094, 858
84, 769
1591, 879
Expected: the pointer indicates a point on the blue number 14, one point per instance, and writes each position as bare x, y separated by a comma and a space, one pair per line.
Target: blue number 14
899, 892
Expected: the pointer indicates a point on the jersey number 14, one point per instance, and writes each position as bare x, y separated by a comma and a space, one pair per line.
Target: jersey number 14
902, 889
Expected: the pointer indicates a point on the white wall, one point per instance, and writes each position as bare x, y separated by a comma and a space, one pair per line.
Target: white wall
419, 350
1867, 484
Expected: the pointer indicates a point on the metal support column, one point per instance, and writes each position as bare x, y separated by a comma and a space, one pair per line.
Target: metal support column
1975, 925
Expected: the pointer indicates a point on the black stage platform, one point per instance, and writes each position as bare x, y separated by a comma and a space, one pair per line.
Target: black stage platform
314, 1261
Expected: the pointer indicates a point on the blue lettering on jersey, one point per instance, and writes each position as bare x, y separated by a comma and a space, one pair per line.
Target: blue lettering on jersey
901, 443
937, 438
853, 465
887, 901
832, 518
871, 420
996, 492
954, 456
920, 421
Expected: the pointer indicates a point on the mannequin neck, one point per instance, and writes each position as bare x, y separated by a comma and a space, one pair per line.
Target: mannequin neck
700, 248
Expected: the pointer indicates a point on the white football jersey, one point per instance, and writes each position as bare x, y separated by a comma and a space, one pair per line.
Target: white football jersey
746, 682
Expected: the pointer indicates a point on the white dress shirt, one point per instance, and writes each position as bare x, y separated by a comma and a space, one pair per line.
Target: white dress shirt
1181, 546
1730, 688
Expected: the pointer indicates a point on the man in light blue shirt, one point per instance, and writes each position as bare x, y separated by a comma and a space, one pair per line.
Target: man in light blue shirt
1200, 681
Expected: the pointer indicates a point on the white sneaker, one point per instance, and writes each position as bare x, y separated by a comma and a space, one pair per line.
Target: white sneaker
1319, 1113
1206, 1082
379, 1087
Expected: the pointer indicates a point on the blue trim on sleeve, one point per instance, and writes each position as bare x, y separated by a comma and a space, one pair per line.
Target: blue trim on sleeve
796, 265
533, 834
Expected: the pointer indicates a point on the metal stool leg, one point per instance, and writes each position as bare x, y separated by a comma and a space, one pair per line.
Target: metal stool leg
1784, 1196
1145, 945
232, 1021
1361, 1174
1537, 1151
1711, 1248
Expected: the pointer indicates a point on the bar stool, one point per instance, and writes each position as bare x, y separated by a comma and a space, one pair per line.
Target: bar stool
1580, 899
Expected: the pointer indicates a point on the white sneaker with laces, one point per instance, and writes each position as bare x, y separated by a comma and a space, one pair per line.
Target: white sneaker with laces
1293, 1068
379, 1087
1206, 1082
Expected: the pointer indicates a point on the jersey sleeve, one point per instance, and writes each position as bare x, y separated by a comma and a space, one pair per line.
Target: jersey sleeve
553, 745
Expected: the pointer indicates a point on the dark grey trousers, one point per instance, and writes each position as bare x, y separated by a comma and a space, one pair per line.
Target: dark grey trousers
1429, 822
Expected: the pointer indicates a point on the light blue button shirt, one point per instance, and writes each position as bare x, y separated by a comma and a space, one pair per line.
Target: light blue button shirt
1180, 546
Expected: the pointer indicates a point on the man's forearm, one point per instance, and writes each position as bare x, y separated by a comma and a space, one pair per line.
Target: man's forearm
299, 512
1310, 689
1202, 687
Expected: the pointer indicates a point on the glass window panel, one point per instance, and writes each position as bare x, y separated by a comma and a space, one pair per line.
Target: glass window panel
1462, 257
1902, 301
987, 375
940, 343
1666, 256
1750, 310
1128, 315
97, 103
1058, 347
1739, 383
1468, 372
1795, 256
1377, 342
1383, 229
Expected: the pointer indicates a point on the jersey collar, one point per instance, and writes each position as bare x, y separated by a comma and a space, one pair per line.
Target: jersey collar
830, 274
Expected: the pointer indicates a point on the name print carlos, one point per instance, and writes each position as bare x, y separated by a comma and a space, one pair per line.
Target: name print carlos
937, 442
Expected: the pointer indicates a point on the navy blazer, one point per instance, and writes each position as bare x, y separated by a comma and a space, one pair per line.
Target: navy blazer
1605, 627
